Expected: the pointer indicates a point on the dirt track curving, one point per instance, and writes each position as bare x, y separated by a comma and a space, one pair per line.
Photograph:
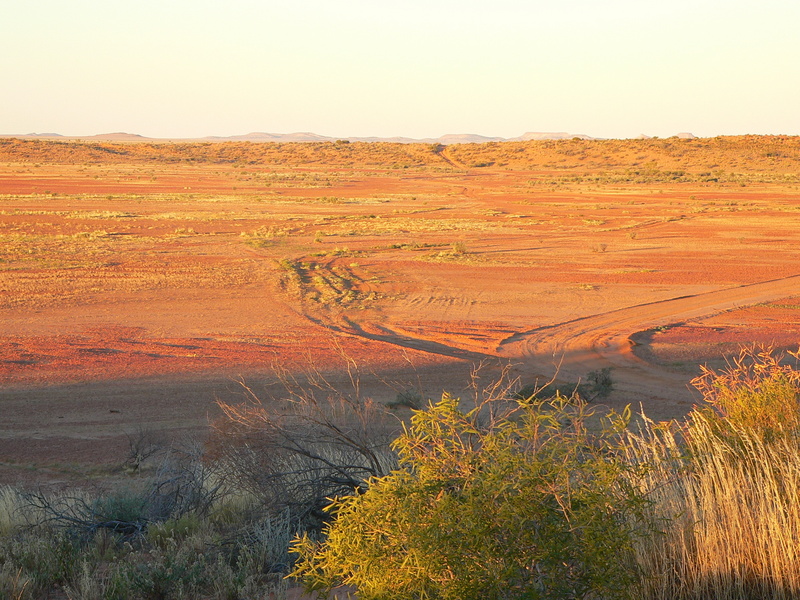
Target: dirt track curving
577, 347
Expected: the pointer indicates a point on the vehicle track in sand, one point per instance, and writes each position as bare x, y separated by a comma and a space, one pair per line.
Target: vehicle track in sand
576, 347
571, 349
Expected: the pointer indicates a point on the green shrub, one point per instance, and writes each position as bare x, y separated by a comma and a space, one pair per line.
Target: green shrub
407, 398
505, 501
124, 507
159, 534
175, 573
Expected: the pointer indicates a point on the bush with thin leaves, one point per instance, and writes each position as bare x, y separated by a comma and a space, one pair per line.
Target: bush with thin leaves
508, 500
756, 392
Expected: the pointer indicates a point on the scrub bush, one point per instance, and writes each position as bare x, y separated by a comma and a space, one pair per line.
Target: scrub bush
756, 392
508, 500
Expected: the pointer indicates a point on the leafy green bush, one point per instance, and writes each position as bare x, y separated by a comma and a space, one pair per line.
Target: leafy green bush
514, 500
124, 507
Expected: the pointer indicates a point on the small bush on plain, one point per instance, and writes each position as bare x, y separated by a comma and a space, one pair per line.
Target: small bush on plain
525, 503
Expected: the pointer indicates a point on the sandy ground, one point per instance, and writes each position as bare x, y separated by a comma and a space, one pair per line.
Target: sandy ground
137, 296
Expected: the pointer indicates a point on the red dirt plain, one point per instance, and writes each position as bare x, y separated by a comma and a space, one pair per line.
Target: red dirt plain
140, 283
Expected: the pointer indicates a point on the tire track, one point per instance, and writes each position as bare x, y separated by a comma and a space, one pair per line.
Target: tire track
452, 162
573, 348
576, 347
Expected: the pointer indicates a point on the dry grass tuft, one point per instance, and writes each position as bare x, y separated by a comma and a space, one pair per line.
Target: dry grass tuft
725, 485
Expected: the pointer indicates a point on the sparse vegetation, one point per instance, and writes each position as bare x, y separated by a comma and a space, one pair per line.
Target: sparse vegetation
707, 510
407, 398
459, 247
536, 496
346, 231
332, 284
642, 161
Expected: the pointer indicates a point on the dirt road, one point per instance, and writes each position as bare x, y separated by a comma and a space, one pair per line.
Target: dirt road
577, 347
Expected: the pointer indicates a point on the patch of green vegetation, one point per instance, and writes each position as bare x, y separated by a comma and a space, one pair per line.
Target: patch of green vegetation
338, 253
598, 385
413, 246
265, 236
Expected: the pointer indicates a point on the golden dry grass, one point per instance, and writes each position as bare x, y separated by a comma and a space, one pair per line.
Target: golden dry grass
725, 490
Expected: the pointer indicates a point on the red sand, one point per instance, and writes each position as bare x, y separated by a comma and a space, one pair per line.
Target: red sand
138, 295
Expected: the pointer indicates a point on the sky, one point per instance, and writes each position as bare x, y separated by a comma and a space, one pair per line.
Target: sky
416, 68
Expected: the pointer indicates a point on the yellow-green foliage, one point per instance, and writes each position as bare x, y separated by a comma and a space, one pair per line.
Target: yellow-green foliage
160, 534
756, 392
522, 504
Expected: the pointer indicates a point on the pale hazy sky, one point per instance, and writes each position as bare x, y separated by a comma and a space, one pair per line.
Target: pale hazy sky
419, 68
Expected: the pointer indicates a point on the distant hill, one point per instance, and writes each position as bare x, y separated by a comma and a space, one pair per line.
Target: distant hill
450, 138
537, 136
270, 137
466, 138
118, 137
258, 136
683, 136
